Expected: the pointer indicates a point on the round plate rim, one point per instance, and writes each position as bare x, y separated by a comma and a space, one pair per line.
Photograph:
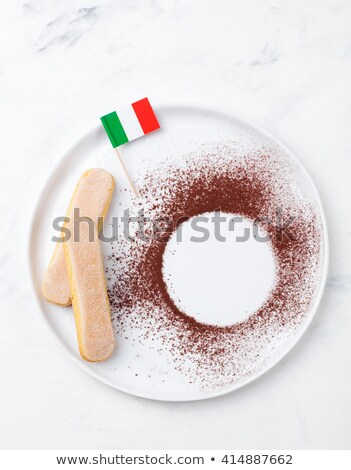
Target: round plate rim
302, 330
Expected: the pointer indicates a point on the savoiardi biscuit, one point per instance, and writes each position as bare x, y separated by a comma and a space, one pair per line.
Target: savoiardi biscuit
92, 197
85, 268
76, 271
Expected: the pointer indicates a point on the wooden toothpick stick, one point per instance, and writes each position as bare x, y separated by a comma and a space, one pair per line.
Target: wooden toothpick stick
132, 185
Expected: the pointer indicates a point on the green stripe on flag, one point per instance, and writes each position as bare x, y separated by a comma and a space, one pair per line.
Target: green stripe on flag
114, 129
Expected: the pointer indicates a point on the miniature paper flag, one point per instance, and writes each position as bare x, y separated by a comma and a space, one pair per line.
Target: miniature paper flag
130, 123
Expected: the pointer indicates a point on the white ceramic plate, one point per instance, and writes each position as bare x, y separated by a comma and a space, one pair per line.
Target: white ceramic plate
245, 280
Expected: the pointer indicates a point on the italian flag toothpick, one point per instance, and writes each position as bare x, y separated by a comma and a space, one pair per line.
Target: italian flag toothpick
129, 124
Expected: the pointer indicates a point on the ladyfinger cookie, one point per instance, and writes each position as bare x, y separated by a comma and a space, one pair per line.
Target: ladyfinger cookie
92, 197
86, 272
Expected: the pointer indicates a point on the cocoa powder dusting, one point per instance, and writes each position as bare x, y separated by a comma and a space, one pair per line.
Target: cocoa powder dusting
253, 185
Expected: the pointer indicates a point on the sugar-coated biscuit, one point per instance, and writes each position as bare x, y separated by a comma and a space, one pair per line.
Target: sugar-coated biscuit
86, 272
91, 203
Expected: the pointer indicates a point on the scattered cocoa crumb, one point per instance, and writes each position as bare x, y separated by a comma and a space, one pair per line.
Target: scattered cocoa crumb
254, 185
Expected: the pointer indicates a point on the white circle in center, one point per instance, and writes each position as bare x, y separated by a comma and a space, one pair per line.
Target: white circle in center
214, 281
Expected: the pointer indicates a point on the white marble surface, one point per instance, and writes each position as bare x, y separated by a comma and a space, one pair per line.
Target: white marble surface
284, 64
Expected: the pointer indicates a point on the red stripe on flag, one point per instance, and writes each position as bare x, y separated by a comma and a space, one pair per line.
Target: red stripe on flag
146, 116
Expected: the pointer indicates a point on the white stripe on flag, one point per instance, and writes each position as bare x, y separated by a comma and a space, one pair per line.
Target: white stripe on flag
130, 123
